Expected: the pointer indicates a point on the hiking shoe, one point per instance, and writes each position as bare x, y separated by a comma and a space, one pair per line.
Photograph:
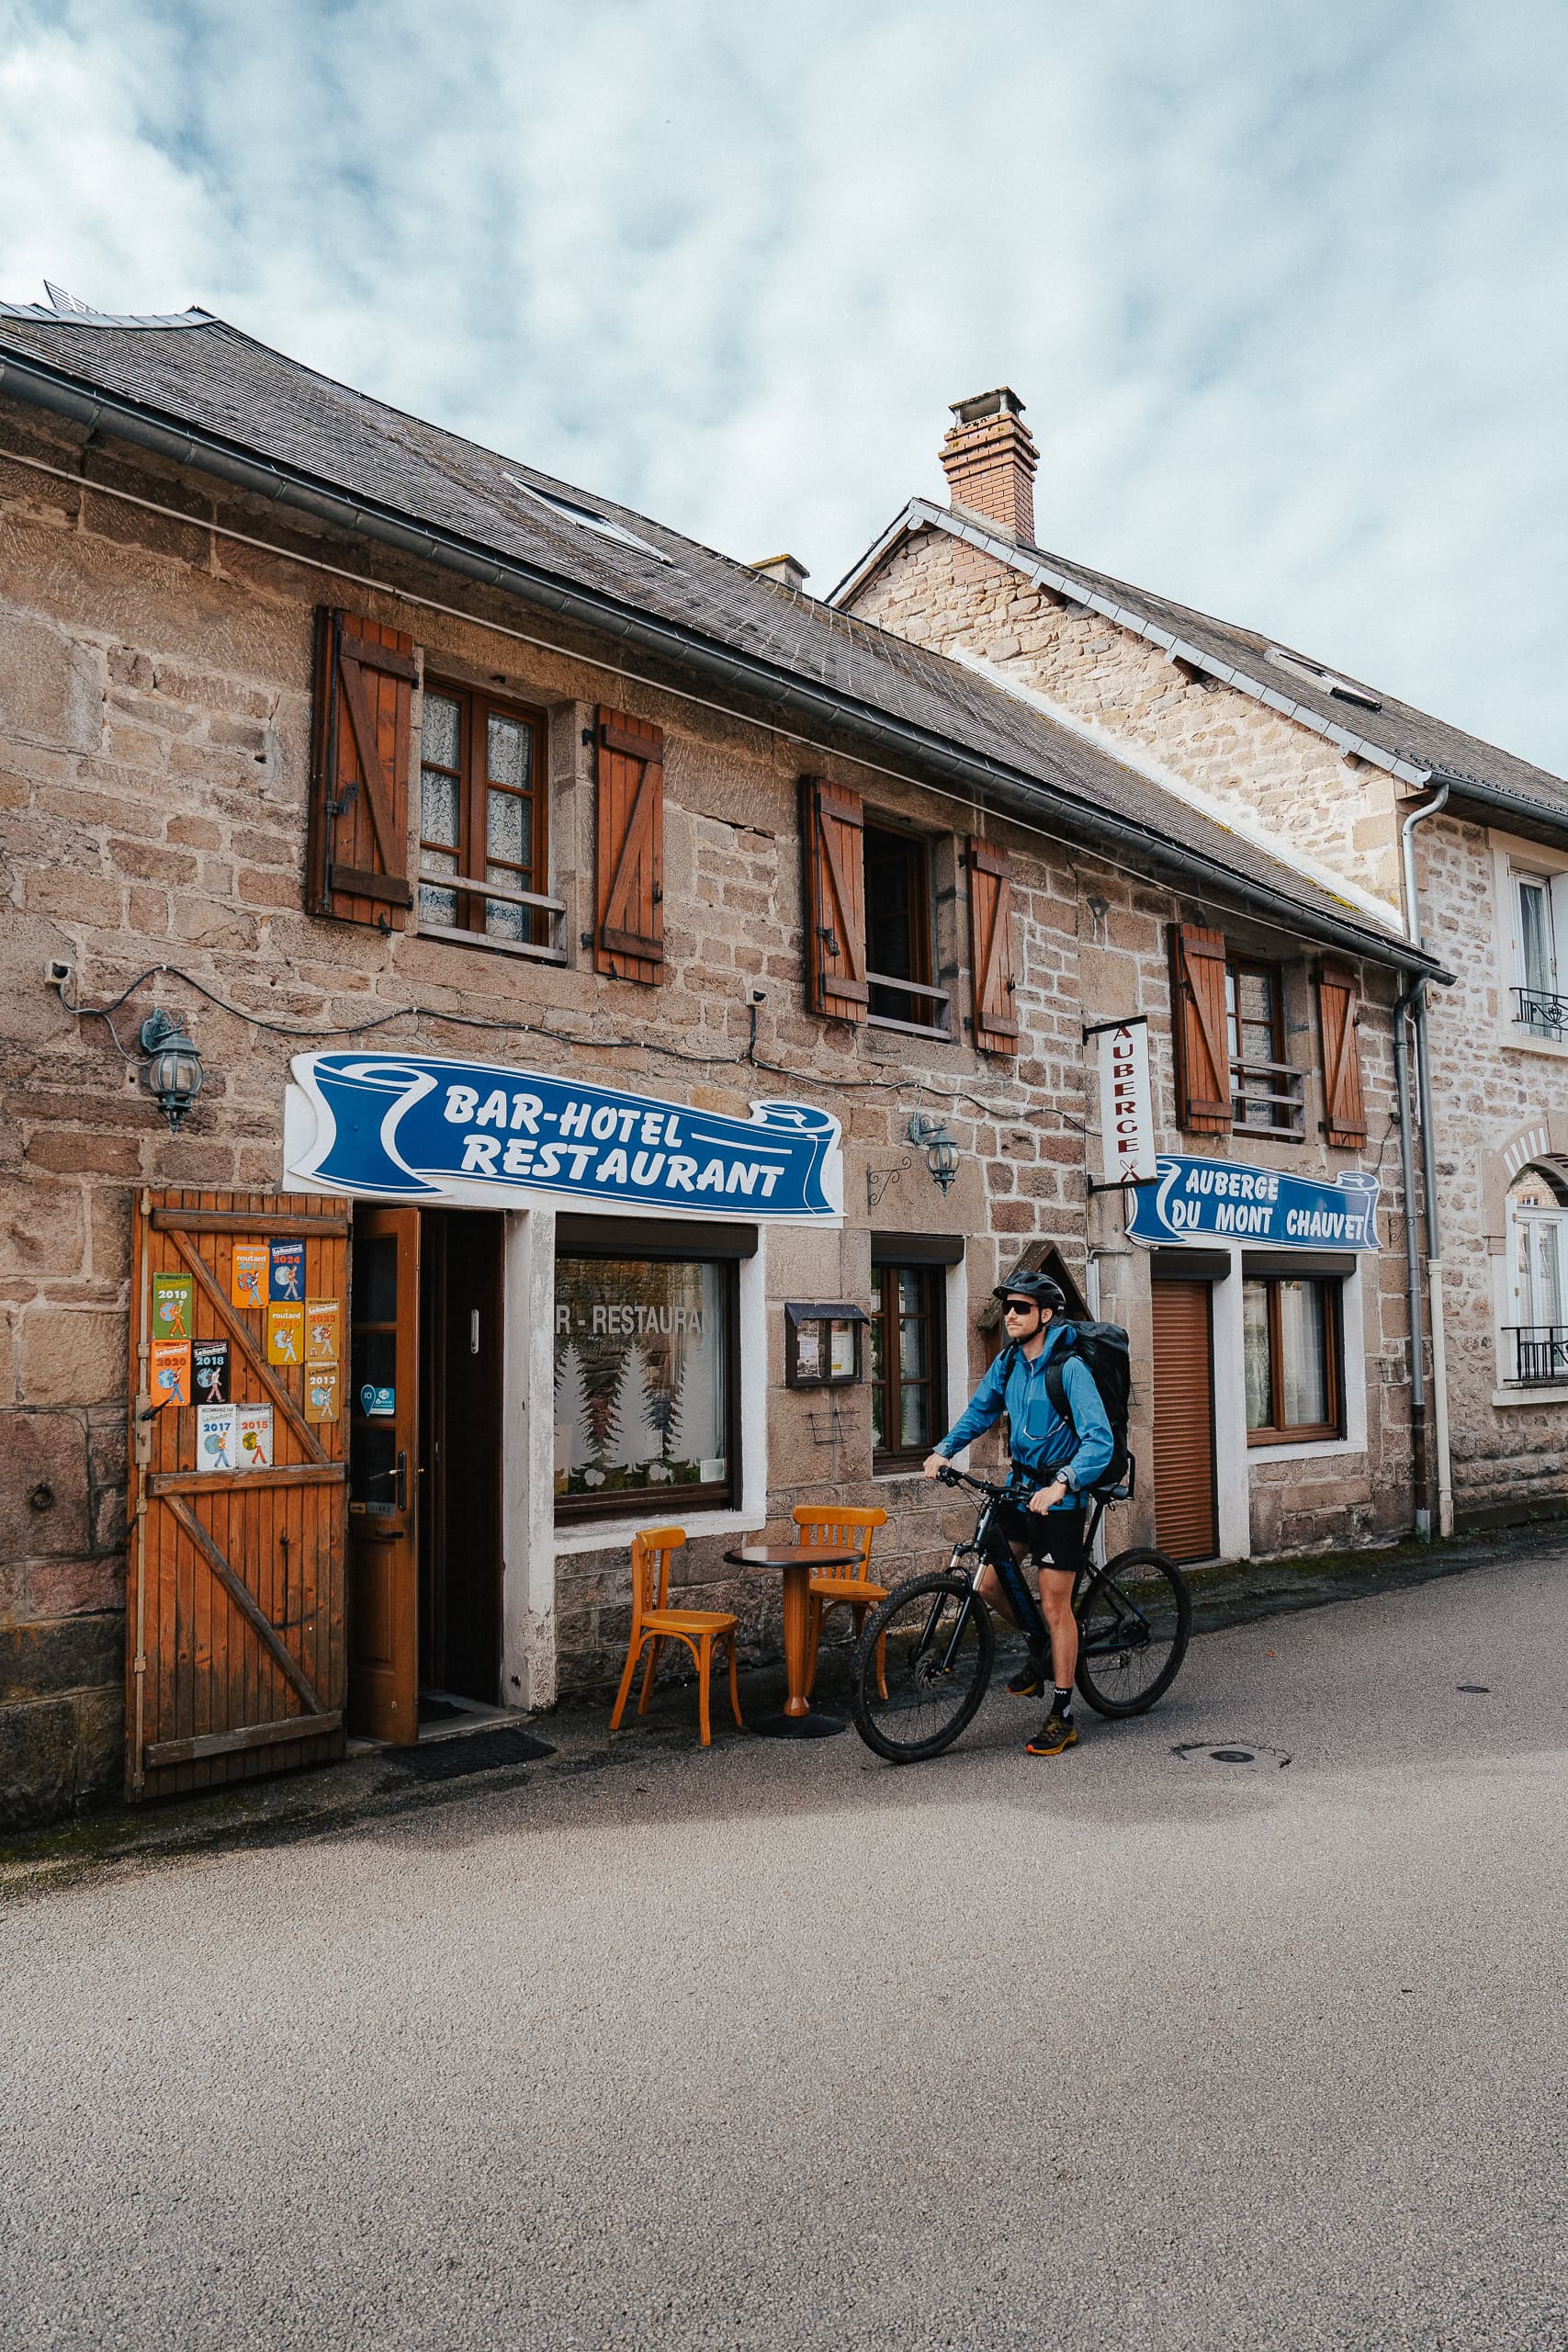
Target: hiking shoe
1057, 1734
1029, 1682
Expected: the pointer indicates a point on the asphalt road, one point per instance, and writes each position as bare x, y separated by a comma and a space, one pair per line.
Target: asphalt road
778, 2047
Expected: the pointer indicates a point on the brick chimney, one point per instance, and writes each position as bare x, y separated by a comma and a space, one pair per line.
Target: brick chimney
990, 458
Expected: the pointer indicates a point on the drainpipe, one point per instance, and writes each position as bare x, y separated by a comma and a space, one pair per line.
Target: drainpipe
1415, 997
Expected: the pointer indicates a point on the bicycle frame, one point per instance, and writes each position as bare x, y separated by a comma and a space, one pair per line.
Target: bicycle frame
990, 1548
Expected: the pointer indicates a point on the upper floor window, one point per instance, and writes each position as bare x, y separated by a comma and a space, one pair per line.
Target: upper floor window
869, 919
482, 818
1535, 1340
898, 931
1540, 912
1265, 1091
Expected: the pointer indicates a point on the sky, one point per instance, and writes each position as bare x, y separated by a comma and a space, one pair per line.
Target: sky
1284, 290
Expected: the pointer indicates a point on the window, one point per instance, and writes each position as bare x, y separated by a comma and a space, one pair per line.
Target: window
1536, 1339
482, 821
1538, 917
908, 1379
1340, 688
1290, 1351
1264, 1092
869, 908
898, 930
587, 517
645, 1357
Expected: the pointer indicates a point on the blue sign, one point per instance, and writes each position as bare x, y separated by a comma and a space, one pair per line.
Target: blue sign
408, 1127
1206, 1200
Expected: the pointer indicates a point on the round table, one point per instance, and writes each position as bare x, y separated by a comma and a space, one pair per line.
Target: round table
797, 1563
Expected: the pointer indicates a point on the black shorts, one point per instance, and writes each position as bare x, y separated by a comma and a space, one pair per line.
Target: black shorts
1054, 1539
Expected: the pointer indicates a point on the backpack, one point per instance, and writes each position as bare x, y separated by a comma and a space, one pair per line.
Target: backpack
1107, 1351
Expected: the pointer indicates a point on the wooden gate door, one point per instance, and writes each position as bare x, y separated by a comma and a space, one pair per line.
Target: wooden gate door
383, 1510
1185, 1505
234, 1623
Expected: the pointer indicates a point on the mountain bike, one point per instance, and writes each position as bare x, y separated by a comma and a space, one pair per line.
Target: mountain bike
923, 1661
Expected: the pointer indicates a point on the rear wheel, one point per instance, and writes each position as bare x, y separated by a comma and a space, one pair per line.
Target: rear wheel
1134, 1628
921, 1666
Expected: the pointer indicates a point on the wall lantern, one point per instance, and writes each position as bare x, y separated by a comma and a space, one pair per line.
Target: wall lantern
173, 1074
941, 1150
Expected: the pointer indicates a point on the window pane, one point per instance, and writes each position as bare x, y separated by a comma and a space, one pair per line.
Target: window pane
438, 808
640, 1398
1303, 1340
1535, 938
1548, 1270
502, 921
1255, 1352
891, 912
912, 1348
504, 828
509, 748
915, 1420
438, 731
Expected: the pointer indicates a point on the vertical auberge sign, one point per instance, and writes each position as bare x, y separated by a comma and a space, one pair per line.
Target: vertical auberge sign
1126, 1106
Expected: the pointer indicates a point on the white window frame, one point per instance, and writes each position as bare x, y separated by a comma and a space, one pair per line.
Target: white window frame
1521, 1228
1518, 864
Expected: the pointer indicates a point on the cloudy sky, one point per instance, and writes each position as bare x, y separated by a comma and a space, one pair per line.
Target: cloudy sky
1283, 289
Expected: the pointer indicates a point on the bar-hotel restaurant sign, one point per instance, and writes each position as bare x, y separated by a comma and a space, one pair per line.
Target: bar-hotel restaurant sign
422, 1129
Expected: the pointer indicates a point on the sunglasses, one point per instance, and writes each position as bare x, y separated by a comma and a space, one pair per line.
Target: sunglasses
1020, 1307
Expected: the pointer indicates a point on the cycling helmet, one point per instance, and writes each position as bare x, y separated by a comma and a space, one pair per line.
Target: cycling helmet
1038, 1288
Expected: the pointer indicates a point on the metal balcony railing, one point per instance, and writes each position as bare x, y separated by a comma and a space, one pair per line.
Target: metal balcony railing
1544, 1014
1269, 1097
1536, 1354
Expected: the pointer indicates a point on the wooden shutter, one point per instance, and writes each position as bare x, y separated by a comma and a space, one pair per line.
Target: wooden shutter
628, 918
235, 1618
990, 933
832, 833
1200, 1029
1339, 1014
1186, 1518
356, 850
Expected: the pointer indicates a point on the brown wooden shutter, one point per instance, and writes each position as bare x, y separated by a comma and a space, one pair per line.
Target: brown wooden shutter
1200, 1029
628, 918
235, 1656
1339, 1013
833, 833
990, 933
356, 849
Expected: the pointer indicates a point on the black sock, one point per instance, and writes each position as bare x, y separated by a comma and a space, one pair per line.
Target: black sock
1062, 1702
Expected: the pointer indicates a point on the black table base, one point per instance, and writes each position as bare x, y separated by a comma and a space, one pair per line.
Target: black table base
811, 1726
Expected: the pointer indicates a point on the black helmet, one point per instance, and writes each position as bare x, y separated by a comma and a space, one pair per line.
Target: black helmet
1039, 1289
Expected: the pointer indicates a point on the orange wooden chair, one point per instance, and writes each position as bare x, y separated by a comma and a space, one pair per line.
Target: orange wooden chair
838, 1527
653, 1621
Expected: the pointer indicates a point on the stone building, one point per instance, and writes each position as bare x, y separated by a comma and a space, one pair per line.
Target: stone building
1461, 842
576, 934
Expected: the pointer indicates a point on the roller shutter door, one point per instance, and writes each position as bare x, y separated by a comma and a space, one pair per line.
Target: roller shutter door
1186, 1516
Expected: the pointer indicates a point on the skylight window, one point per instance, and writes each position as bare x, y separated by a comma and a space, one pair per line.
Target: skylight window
587, 517
1328, 679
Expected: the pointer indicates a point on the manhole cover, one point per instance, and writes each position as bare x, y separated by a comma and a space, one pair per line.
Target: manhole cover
1229, 1754
1233, 1756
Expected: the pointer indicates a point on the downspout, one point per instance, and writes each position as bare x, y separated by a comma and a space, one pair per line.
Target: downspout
1415, 997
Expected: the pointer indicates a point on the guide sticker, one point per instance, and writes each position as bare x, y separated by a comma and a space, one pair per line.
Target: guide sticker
209, 1370
287, 1272
171, 1306
256, 1436
377, 1404
286, 1334
171, 1372
217, 1437
323, 1323
321, 1392
247, 1274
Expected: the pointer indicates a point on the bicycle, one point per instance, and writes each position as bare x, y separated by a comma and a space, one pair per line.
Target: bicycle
923, 1664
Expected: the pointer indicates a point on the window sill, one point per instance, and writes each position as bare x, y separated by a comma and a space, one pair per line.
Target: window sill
1302, 1449
1514, 1039
615, 1534
1547, 1393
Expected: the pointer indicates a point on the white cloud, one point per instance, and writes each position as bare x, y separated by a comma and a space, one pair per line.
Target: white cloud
1281, 289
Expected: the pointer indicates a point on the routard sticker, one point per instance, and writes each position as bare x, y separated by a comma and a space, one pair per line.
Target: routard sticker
209, 1369
217, 1437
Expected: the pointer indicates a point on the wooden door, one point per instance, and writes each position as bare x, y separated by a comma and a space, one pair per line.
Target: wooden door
1186, 1503
235, 1618
383, 1506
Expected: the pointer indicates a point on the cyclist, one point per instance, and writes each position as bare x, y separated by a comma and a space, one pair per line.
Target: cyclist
1070, 1456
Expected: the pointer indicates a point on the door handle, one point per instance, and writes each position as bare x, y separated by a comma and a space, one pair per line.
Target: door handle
401, 1475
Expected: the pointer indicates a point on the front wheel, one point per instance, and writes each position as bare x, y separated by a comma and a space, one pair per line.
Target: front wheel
921, 1666
1134, 1628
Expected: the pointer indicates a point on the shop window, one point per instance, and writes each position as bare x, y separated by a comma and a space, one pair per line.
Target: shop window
644, 1358
908, 1384
1540, 914
482, 837
1265, 1093
1290, 1336
1535, 1341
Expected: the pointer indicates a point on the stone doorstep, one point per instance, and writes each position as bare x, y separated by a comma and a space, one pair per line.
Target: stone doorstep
368, 1785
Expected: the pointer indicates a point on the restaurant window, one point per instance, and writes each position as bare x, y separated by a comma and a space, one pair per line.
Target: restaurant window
1290, 1350
1535, 1340
907, 1376
1265, 1093
645, 1357
482, 823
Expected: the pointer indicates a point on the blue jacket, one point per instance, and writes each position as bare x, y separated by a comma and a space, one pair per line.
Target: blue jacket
1041, 1439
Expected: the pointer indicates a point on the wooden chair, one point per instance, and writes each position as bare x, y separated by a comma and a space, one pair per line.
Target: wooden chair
838, 1527
653, 1621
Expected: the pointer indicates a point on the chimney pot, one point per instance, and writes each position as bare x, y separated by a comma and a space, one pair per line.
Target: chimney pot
990, 458
787, 569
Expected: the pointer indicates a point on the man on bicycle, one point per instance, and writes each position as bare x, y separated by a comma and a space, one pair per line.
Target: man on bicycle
1067, 1456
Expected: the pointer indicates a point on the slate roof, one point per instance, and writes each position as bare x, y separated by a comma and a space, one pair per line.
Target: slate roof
1396, 735
199, 373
